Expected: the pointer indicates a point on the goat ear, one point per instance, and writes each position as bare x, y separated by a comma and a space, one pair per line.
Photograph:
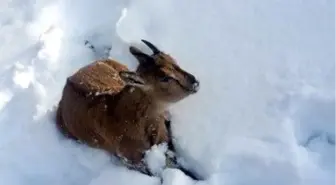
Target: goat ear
142, 57
131, 78
151, 46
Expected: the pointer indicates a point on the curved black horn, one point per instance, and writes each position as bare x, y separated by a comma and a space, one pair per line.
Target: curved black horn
151, 46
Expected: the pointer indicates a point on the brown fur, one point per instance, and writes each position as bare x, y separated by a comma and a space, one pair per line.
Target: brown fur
102, 109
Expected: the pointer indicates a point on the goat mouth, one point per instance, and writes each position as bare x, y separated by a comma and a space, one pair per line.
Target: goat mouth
190, 89
193, 90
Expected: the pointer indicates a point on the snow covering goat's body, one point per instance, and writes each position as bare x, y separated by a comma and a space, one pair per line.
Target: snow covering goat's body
109, 107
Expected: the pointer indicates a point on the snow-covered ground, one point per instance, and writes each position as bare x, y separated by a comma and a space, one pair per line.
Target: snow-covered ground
265, 114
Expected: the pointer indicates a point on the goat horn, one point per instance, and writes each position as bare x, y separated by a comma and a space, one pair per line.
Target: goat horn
151, 46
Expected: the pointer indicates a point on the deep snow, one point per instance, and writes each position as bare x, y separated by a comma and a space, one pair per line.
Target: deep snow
265, 113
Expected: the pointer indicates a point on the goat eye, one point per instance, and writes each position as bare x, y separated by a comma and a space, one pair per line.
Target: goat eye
165, 79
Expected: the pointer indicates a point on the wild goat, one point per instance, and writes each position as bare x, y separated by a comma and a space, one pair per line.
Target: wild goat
109, 107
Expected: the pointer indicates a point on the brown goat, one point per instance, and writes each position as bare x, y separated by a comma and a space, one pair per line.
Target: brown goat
109, 107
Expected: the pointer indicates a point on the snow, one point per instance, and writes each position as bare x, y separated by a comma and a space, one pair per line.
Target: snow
155, 158
265, 112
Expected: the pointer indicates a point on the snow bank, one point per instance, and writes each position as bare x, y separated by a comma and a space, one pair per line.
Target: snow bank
265, 113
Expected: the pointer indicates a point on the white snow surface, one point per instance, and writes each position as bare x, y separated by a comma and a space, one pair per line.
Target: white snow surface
264, 115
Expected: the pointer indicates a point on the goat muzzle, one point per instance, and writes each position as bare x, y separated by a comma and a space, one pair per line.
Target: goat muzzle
195, 86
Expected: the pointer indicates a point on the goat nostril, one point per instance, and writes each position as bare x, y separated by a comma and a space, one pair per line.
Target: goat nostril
196, 85
193, 83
